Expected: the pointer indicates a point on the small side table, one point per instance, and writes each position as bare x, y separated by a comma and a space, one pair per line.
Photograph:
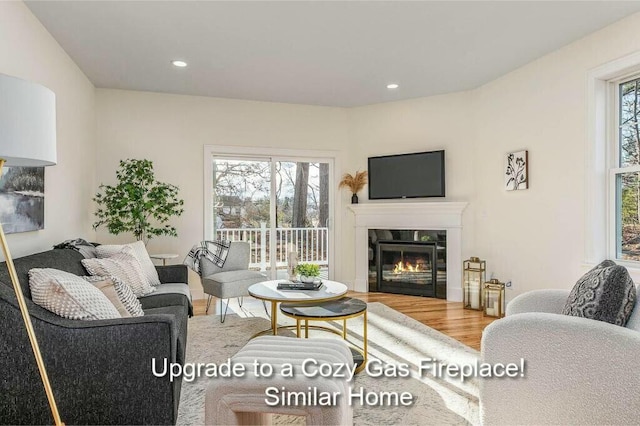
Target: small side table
341, 309
164, 257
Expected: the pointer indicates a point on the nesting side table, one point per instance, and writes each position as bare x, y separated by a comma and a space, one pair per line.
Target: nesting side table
334, 310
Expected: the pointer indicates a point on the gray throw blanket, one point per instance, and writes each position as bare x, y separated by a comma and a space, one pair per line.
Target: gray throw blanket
214, 251
87, 249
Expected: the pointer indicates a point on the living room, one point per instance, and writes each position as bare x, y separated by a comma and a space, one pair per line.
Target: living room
540, 92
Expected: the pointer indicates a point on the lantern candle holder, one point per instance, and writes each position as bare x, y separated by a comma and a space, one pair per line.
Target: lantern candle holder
474, 273
493, 298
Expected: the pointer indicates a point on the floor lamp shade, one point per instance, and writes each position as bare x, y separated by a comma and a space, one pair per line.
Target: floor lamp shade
27, 123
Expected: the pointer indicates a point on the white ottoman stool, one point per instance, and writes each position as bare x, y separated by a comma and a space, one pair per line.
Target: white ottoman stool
242, 401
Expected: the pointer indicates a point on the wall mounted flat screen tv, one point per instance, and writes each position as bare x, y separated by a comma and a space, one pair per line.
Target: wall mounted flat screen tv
407, 176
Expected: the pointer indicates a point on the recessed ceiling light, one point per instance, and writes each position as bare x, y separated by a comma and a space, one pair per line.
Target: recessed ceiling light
180, 64
393, 86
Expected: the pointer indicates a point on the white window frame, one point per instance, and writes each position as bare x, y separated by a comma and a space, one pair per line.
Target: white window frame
278, 154
615, 169
601, 160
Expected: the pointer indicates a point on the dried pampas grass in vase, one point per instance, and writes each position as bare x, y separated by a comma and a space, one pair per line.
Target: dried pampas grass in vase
354, 183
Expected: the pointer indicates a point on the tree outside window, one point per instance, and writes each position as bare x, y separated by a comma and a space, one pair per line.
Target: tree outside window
627, 173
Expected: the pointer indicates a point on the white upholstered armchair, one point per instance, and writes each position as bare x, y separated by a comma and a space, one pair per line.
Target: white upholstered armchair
578, 370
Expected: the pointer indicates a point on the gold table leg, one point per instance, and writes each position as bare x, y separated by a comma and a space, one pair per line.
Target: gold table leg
364, 351
273, 329
274, 317
365, 338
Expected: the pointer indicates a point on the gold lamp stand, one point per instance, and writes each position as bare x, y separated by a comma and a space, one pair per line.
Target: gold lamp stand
27, 322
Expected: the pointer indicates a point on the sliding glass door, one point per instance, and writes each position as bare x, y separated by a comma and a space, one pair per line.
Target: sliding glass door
278, 205
242, 205
302, 212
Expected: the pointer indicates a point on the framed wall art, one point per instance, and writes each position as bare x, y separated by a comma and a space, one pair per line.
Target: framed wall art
516, 174
22, 199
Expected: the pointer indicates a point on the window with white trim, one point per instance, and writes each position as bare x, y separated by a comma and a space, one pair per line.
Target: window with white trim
624, 175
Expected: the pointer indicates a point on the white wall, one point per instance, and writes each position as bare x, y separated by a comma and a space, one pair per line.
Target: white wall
171, 131
536, 237
29, 52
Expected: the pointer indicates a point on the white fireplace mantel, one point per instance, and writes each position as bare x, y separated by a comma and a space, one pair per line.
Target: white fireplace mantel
437, 215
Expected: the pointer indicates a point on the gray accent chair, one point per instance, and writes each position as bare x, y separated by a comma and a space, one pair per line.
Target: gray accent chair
232, 280
577, 370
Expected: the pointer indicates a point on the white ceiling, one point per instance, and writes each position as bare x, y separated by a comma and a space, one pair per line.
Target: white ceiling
318, 53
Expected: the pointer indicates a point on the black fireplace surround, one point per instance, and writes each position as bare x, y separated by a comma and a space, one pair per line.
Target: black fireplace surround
409, 262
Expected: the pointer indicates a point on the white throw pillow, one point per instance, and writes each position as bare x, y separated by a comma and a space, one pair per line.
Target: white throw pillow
69, 295
140, 252
123, 266
118, 293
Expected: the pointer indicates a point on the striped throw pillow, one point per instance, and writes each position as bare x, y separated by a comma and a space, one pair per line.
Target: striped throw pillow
123, 266
139, 251
119, 294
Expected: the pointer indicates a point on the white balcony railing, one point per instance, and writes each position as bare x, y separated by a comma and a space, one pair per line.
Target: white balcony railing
311, 244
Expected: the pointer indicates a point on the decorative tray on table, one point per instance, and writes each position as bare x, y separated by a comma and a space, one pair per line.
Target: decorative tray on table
297, 285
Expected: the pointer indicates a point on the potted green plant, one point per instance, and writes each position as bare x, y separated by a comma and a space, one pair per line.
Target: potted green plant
309, 272
138, 203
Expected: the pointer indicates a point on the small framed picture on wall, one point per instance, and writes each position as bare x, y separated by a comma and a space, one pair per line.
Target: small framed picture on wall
516, 174
22, 199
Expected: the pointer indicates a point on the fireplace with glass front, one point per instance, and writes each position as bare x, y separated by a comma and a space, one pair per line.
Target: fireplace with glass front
408, 262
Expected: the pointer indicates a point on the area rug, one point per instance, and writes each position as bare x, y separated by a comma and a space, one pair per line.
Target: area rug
394, 338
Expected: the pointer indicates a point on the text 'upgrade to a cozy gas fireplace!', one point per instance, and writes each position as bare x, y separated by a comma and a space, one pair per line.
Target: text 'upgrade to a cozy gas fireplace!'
312, 369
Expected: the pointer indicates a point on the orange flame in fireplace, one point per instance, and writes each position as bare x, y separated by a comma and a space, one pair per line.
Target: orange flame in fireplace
400, 267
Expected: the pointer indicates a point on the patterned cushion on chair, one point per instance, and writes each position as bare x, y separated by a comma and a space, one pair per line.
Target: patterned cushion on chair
605, 293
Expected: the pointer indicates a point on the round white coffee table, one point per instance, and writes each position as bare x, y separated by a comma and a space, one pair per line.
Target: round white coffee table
268, 291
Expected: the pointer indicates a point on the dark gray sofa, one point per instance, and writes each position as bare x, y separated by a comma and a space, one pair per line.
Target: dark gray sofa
100, 371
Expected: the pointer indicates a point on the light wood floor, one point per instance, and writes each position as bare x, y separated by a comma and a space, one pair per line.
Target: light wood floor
447, 317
